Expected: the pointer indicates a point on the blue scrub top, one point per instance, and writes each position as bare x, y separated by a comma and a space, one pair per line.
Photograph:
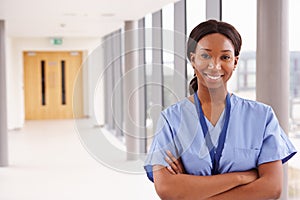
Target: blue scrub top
254, 137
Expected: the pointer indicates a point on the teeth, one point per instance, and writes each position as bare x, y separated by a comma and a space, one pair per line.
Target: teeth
213, 77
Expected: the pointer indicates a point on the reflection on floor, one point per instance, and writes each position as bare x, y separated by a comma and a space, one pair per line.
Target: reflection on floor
48, 161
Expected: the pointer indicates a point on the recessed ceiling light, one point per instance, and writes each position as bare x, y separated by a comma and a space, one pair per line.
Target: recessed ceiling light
70, 14
107, 14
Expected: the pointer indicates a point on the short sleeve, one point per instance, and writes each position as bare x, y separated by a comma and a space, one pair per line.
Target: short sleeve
276, 145
163, 141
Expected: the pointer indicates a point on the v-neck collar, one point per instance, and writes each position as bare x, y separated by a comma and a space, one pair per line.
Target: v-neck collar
219, 122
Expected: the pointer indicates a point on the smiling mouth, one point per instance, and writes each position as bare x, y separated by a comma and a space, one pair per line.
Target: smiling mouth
213, 77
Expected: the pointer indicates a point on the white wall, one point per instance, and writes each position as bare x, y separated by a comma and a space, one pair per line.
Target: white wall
96, 72
15, 84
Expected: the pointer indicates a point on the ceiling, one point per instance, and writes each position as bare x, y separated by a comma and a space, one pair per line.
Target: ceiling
66, 18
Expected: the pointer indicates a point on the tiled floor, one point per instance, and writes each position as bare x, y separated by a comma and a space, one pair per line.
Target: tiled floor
49, 162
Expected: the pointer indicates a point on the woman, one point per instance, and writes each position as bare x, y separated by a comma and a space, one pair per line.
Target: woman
214, 144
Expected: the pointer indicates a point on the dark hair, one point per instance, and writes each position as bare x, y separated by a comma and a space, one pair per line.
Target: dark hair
210, 27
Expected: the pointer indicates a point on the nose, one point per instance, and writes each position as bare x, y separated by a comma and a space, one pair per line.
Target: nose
212, 65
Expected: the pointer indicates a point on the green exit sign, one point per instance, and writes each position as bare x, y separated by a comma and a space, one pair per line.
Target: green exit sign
57, 41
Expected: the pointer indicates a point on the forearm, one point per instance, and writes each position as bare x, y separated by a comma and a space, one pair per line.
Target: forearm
268, 186
259, 190
183, 186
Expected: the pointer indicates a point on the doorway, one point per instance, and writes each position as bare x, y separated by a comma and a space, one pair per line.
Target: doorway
49, 80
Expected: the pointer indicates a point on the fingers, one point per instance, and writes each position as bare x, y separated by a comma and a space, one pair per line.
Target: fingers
180, 166
174, 164
171, 156
171, 170
177, 162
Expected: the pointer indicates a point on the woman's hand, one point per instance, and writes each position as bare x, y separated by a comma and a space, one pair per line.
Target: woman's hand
175, 165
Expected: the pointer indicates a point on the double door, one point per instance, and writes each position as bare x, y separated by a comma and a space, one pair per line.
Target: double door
53, 85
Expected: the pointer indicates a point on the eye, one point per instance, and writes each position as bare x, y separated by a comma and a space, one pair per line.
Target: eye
205, 56
226, 57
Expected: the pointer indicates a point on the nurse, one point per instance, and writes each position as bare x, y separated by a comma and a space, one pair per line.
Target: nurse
214, 144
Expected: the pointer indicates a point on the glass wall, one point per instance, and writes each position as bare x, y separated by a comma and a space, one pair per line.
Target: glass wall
195, 14
148, 71
243, 80
168, 53
294, 44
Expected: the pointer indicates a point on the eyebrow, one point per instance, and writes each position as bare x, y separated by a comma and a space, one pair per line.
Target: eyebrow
226, 50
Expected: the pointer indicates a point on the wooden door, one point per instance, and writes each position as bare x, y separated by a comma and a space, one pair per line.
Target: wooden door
49, 80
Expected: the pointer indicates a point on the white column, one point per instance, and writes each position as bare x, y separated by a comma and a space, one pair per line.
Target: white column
130, 80
106, 78
157, 68
110, 82
180, 82
3, 110
272, 62
117, 74
142, 87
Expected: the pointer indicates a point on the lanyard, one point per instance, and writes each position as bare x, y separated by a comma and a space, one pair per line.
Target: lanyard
215, 153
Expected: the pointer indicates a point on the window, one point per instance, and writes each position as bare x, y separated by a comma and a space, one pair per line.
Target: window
43, 81
148, 71
294, 44
63, 83
243, 80
195, 14
168, 54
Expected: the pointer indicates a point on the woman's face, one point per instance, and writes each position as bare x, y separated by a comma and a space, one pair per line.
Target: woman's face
214, 61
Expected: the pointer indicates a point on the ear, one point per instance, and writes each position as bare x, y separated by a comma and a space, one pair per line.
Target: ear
192, 59
236, 59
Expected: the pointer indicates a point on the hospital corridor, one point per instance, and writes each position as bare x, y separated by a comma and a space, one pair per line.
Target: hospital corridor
90, 90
